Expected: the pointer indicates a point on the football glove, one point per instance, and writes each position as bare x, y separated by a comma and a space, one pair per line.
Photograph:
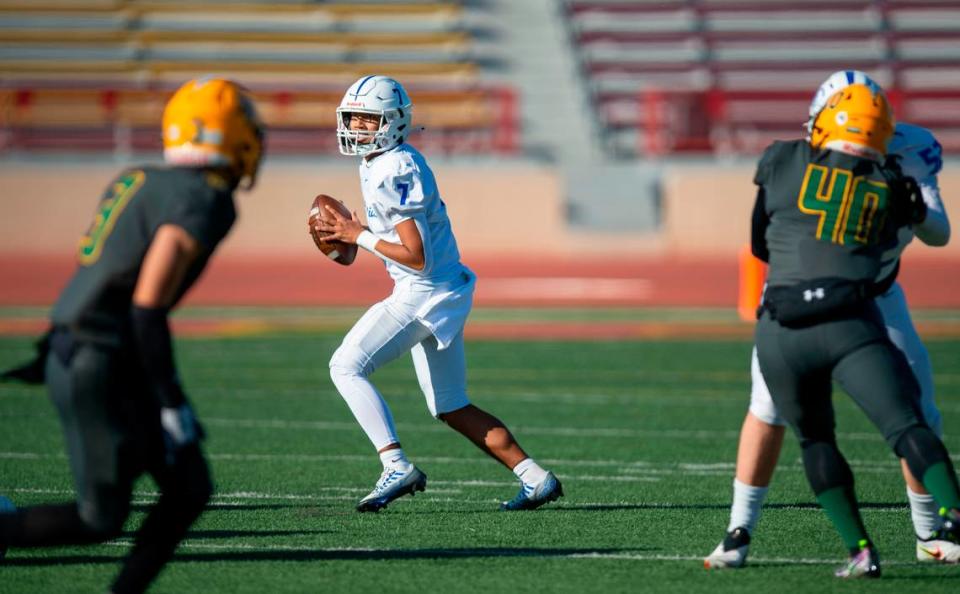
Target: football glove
918, 207
909, 200
180, 429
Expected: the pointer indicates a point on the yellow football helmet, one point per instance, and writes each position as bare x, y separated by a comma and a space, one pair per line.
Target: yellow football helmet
856, 119
213, 122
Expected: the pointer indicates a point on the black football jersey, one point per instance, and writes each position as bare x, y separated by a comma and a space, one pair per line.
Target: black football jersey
96, 302
828, 214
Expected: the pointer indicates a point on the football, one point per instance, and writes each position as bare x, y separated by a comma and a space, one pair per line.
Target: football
339, 252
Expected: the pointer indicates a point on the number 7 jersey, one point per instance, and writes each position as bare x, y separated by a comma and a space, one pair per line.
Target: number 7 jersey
398, 185
828, 213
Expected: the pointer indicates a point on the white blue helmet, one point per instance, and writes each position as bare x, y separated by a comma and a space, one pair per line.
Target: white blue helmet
837, 82
377, 95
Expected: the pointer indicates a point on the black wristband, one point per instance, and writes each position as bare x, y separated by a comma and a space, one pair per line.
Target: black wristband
759, 221
918, 213
151, 333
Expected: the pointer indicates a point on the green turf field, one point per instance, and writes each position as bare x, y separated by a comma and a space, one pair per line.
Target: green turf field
643, 435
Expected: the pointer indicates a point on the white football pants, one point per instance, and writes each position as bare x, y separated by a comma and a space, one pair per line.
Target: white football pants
896, 316
385, 332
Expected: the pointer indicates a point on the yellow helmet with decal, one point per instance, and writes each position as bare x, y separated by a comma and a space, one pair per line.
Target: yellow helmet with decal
857, 120
213, 122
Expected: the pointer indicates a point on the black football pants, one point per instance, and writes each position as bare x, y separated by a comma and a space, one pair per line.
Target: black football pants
798, 365
112, 431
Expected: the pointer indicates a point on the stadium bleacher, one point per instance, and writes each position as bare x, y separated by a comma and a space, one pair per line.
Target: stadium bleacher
729, 76
95, 74
664, 76
124, 120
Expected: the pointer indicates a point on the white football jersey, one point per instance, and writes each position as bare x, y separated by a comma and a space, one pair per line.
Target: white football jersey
398, 185
921, 158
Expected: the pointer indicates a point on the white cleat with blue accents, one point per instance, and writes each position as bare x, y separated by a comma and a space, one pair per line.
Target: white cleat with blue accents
393, 483
533, 496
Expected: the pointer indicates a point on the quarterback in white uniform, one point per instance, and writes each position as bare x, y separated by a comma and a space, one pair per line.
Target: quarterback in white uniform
920, 157
407, 227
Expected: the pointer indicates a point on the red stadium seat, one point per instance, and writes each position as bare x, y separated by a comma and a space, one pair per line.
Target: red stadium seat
655, 68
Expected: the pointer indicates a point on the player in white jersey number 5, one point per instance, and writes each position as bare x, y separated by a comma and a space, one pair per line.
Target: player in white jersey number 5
762, 433
407, 227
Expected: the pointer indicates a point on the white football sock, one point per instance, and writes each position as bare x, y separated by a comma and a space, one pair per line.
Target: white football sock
529, 472
394, 458
747, 502
925, 514
367, 406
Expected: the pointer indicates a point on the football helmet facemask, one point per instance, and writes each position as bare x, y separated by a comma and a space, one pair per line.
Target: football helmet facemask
855, 120
380, 96
213, 122
836, 82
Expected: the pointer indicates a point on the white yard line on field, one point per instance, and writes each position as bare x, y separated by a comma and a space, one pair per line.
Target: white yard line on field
629, 470
148, 497
520, 429
611, 432
699, 559
661, 397
242, 497
491, 552
367, 459
811, 507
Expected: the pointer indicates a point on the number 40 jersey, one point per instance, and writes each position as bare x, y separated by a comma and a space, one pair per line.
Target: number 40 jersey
823, 213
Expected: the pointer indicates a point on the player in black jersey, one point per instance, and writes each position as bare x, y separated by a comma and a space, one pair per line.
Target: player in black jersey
826, 210
110, 367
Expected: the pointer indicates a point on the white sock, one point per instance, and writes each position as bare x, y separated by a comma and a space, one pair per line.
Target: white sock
529, 472
925, 513
747, 502
394, 458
